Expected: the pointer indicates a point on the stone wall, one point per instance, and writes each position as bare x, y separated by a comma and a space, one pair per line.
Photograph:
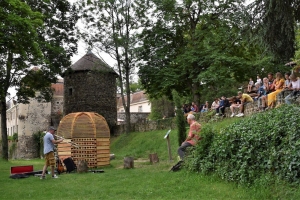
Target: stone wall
91, 91
135, 117
162, 124
26, 148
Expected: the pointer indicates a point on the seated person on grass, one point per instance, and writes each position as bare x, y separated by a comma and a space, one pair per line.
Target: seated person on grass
193, 136
245, 98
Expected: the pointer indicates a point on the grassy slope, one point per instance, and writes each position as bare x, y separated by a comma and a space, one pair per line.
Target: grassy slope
145, 181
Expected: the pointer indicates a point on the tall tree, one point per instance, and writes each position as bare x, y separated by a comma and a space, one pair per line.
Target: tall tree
276, 20
33, 33
111, 27
193, 38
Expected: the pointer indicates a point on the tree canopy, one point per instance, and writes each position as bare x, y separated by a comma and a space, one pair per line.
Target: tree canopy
36, 33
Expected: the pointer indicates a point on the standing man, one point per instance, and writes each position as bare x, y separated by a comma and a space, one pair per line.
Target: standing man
49, 142
193, 136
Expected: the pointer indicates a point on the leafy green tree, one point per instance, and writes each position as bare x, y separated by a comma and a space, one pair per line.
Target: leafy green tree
276, 20
33, 33
198, 49
111, 27
161, 107
180, 120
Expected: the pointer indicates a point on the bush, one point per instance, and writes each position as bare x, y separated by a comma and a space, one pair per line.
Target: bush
264, 143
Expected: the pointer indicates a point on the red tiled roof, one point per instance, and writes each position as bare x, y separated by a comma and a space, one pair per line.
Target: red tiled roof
58, 88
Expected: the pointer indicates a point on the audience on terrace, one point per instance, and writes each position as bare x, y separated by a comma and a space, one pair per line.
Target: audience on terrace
261, 92
245, 98
294, 86
270, 99
258, 82
250, 85
205, 107
267, 91
224, 102
215, 104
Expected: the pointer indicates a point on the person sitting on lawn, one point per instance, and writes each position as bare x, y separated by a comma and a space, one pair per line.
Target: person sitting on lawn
245, 98
193, 136
196, 109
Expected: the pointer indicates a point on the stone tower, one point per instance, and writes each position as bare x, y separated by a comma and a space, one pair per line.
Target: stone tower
90, 86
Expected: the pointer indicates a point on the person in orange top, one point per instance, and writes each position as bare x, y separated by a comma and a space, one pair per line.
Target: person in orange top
278, 84
193, 136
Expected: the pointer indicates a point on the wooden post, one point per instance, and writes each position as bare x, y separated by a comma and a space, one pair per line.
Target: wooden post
153, 158
169, 145
128, 162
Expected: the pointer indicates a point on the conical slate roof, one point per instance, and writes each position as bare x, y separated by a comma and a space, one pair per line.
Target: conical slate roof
91, 62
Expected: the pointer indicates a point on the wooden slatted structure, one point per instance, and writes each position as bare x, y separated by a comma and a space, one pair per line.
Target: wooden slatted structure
91, 133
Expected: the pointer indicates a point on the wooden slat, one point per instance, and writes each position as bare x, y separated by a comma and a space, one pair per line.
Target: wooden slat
103, 163
103, 143
64, 154
103, 159
102, 147
63, 144
102, 151
103, 139
63, 149
103, 155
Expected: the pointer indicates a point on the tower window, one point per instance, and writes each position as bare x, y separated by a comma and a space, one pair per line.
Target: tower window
70, 91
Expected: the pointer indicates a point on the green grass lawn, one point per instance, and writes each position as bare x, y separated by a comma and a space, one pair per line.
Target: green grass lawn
145, 181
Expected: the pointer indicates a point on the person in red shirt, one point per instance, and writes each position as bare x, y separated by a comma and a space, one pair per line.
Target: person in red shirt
196, 109
193, 136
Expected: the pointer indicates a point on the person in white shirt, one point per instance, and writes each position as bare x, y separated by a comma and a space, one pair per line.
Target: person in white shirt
294, 86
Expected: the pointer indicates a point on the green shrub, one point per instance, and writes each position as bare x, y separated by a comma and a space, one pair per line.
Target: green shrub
38, 139
180, 119
264, 143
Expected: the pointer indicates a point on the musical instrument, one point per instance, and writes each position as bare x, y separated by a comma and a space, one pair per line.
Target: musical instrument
72, 143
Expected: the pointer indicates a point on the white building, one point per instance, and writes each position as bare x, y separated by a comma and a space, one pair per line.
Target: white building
138, 103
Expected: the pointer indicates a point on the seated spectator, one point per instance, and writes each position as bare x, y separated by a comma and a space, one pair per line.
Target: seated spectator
196, 109
205, 107
271, 97
245, 98
250, 85
271, 83
258, 82
294, 86
283, 93
223, 104
261, 92
215, 104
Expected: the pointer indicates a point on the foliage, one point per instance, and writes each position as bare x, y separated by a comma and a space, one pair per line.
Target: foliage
15, 137
243, 151
38, 139
180, 119
198, 49
33, 33
111, 27
160, 108
274, 22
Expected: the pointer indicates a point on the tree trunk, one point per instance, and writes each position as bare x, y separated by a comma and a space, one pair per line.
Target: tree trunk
4, 130
128, 162
153, 158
